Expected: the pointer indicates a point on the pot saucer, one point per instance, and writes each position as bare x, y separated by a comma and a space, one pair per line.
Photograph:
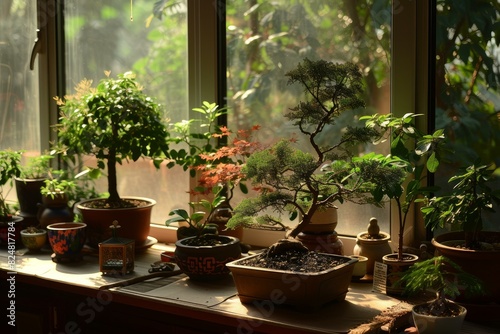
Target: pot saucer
150, 241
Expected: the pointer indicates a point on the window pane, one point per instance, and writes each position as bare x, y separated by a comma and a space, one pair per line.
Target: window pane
19, 95
113, 36
266, 39
467, 86
19, 99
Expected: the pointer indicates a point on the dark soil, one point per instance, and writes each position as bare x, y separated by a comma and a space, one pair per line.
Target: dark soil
124, 203
439, 308
207, 240
292, 257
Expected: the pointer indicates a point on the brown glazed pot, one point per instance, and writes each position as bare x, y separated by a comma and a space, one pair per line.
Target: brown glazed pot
134, 222
207, 263
483, 264
302, 290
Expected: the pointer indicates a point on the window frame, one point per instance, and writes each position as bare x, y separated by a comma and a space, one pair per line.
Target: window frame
410, 85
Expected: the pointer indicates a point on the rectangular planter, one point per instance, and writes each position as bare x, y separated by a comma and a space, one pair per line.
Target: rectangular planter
304, 290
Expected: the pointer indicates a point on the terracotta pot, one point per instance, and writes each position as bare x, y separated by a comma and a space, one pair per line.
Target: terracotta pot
395, 269
34, 241
67, 240
483, 264
427, 324
305, 290
134, 222
207, 263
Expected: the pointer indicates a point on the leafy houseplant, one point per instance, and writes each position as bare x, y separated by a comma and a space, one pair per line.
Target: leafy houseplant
114, 122
447, 280
28, 184
200, 252
470, 197
468, 245
409, 147
198, 221
10, 167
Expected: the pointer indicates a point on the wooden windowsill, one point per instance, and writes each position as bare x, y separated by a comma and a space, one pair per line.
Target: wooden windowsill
213, 303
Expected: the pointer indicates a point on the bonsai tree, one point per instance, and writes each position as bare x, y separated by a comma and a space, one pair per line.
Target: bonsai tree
416, 153
10, 167
291, 180
470, 197
114, 121
443, 277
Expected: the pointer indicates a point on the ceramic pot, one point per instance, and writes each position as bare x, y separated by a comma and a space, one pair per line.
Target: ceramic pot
324, 243
322, 221
303, 290
479, 263
207, 263
427, 324
29, 198
66, 240
54, 209
134, 222
360, 266
395, 269
34, 241
9, 229
374, 248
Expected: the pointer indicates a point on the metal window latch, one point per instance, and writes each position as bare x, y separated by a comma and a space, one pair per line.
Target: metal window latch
37, 48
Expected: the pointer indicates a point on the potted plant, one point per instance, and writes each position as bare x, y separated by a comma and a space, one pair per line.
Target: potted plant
54, 207
291, 180
34, 238
200, 252
418, 154
28, 184
463, 209
447, 280
215, 156
113, 122
10, 167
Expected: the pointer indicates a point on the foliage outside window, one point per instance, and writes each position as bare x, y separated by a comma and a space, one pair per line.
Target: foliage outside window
266, 39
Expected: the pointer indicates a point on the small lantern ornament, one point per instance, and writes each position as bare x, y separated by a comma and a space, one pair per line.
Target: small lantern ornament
116, 255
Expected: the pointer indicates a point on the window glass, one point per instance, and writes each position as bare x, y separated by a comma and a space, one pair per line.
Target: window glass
121, 36
467, 86
265, 39
19, 95
19, 112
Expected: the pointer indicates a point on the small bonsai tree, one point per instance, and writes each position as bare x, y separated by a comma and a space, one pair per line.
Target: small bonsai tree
443, 277
291, 180
470, 197
10, 167
114, 122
